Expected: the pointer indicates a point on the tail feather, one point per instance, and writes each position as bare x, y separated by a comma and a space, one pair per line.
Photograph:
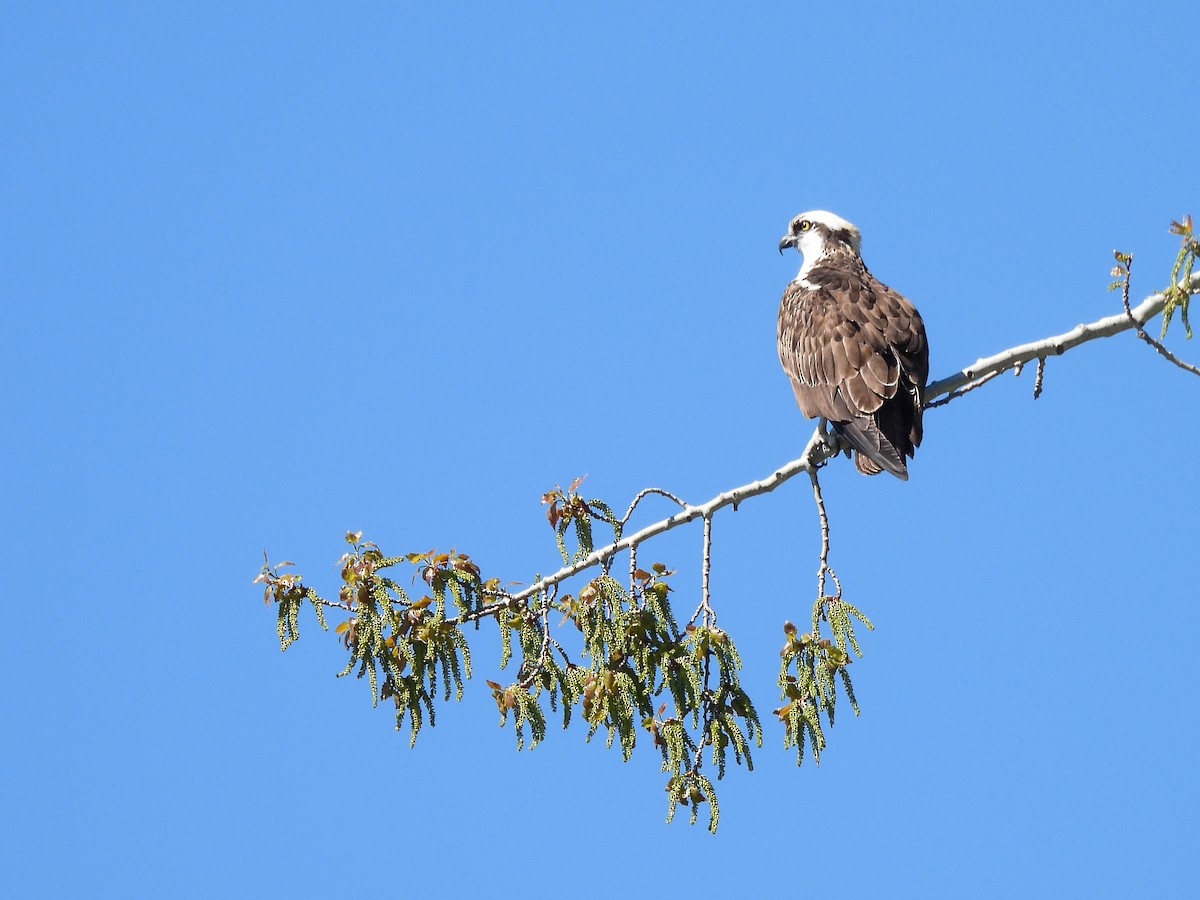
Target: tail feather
874, 453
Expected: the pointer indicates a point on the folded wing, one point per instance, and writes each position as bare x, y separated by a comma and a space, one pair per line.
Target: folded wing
856, 354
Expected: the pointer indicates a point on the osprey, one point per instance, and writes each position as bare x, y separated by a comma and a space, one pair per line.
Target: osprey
854, 349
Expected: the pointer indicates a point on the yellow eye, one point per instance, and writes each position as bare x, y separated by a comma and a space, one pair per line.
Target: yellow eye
803, 225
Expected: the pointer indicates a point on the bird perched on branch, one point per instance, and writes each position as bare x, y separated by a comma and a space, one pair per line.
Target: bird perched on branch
854, 349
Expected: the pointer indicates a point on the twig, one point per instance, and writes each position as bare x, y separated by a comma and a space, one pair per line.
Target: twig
645, 492
710, 617
978, 382
1141, 332
633, 592
535, 669
824, 567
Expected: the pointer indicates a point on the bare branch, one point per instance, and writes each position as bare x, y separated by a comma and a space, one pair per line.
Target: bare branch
824, 568
710, 617
970, 386
1056, 345
645, 492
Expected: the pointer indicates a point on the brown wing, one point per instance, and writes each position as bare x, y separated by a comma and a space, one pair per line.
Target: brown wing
856, 354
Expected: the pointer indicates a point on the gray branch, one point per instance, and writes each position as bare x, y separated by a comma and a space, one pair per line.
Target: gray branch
816, 452
1053, 346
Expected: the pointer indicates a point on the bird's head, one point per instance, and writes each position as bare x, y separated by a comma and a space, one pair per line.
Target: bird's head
813, 232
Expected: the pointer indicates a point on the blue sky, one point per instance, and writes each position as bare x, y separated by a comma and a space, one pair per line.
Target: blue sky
275, 271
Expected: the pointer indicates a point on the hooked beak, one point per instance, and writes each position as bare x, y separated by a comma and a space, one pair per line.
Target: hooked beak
788, 240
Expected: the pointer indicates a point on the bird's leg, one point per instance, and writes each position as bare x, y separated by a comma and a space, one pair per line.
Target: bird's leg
819, 448
829, 439
822, 446
832, 439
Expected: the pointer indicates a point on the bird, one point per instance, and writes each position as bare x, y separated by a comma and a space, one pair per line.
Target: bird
854, 349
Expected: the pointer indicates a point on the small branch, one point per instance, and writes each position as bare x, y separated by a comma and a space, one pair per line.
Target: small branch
633, 591
536, 668
815, 452
698, 759
1141, 332
978, 382
1058, 344
645, 492
705, 606
507, 601
1037, 379
824, 567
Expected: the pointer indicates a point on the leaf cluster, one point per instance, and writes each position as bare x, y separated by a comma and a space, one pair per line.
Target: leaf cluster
808, 666
568, 510
407, 640
635, 671
1177, 293
633, 654
715, 711
288, 591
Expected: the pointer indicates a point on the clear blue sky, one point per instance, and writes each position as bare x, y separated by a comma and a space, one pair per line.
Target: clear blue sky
274, 271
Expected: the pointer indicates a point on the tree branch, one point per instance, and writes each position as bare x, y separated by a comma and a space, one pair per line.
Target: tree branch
1056, 345
819, 449
815, 453
824, 568
635, 649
